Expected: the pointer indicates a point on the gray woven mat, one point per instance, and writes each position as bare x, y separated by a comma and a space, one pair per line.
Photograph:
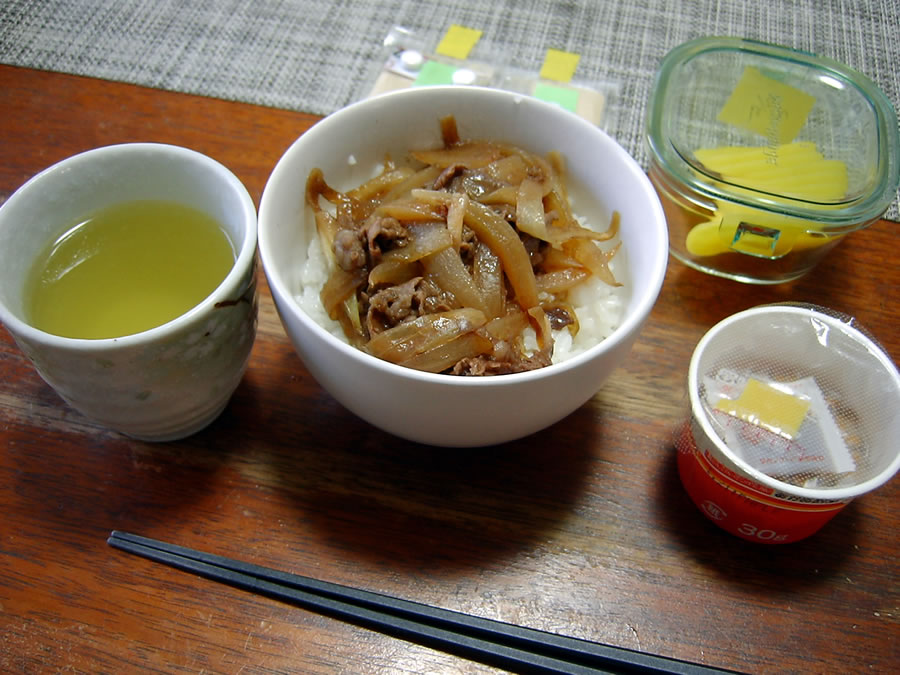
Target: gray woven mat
317, 56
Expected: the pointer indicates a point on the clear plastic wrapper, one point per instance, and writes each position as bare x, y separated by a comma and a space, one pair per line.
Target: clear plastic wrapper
411, 60
805, 397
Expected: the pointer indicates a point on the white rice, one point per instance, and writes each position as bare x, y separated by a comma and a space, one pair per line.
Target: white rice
598, 306
313, 275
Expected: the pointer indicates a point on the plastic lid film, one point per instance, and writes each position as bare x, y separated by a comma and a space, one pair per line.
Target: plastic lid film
802, 395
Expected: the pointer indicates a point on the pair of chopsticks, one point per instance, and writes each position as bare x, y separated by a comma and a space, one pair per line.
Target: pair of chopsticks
494, 643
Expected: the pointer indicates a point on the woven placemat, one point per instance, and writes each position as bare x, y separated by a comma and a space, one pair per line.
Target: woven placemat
317, 56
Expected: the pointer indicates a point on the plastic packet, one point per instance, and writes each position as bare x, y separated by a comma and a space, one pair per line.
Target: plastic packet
411, 60
784, 429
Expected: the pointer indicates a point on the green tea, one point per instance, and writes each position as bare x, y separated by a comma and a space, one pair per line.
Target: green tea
127, 268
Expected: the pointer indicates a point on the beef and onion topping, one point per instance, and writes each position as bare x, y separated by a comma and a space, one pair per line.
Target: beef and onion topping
466, 260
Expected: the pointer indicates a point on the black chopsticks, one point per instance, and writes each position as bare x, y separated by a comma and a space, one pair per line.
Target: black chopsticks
494, 643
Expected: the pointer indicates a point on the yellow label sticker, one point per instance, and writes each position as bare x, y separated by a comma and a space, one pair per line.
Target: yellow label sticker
458, 41
772, 109
767, 407
559, 66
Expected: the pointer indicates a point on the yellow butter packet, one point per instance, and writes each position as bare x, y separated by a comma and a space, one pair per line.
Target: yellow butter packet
772, 109
767, 407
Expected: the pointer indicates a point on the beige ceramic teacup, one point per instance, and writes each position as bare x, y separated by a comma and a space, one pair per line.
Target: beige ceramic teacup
166, 382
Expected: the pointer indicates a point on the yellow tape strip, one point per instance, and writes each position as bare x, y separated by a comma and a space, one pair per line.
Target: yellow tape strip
768, 107
559, 66
458, 41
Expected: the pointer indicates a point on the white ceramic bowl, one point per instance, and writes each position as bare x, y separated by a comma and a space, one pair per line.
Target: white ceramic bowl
447, 410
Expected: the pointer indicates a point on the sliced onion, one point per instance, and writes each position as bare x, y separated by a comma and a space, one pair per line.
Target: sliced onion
557, 204
455, 212
488, 276
504, 241
560, 281
593, 257
447, 270
393, 273
541, 328
423, 333
339, 286
509, 170
555, 259
351, 312
424, 240
409, 211
508, 327
530, 209
538, 168
504, 195
419, 179
473, 155
317, 187
558, 164
561, 233
446, 356
449, 132
432, 197
327, 227
381, 184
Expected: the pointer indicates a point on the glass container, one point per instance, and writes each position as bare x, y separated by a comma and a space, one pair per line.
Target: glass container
765, 157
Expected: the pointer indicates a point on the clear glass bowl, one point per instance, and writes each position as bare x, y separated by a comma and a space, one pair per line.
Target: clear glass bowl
765, 157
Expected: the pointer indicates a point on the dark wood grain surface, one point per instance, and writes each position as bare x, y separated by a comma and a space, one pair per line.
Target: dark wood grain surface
581, 529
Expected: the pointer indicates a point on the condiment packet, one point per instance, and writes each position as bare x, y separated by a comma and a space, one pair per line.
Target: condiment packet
783, 429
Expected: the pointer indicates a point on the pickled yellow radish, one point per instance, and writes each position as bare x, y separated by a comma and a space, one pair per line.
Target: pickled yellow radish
717, 235
794, 170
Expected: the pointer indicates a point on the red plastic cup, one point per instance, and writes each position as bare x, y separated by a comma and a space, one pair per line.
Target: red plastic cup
860, 379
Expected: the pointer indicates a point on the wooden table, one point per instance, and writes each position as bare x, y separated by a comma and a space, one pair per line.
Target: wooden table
581, 529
